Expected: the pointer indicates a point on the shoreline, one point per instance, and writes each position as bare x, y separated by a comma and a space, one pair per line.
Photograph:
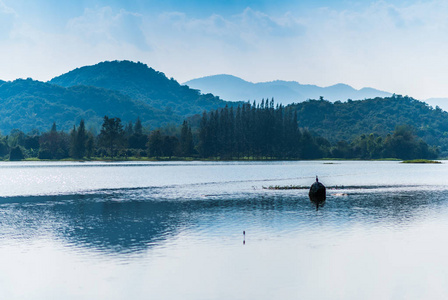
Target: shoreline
143, 159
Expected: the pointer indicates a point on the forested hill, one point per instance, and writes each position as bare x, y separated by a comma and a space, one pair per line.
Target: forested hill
140, 82
337, 121
121, 89
29, 104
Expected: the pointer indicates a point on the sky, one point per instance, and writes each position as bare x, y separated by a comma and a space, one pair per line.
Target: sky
399, 46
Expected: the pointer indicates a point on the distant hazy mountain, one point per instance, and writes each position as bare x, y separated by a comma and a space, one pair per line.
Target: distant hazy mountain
232, 88
140, 82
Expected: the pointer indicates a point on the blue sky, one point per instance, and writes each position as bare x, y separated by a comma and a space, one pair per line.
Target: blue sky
399, 46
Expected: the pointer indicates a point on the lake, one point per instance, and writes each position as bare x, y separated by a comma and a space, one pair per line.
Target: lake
174, 230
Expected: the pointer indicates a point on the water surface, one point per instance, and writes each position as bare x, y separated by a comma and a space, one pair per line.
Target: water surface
174, 231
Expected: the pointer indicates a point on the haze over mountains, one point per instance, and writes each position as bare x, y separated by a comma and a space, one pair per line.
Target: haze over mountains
232, 88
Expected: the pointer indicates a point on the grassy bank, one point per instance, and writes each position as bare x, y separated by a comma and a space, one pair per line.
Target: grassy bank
421, 161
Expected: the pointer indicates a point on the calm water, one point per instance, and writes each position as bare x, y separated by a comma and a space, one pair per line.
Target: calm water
175, 231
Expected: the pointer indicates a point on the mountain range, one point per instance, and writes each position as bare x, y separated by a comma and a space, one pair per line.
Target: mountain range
129, 90
116, 88
140, 82
232, 88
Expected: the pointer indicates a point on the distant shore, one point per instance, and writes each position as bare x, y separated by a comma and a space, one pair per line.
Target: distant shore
186, 159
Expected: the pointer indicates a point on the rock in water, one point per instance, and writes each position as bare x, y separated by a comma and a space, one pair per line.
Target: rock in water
317, 193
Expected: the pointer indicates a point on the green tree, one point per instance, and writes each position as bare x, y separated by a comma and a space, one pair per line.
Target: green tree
169, 145
4, 148
129, 129
155, 146
138, 128
111, 135
16, 154
31, 142
186, 140
138, 140
16, 138
78, 141
54, 144
90, 145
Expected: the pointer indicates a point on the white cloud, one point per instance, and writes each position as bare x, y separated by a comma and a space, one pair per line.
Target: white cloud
396, 48
265, 25
7, 19
4, 9
105, 25
246, 27
33, 52
400, 49
187, 47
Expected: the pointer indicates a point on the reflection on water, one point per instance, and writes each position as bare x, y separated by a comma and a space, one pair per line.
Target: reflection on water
123, 221
215, 237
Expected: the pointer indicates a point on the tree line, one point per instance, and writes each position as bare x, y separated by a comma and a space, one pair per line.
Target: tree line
257, 131
249, 131
115, 140
266, 131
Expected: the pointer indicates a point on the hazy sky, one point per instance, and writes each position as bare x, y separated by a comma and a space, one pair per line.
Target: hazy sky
397, 46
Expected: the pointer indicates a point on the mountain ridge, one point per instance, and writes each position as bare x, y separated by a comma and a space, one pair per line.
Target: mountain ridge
438, 102
141, 82
121, 89
233, 88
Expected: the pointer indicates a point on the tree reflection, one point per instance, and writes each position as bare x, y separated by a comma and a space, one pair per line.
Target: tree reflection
116, 222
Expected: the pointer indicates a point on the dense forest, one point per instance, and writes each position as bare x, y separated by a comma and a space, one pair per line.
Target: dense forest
348, 120
29, 104
264, 131
249, 131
